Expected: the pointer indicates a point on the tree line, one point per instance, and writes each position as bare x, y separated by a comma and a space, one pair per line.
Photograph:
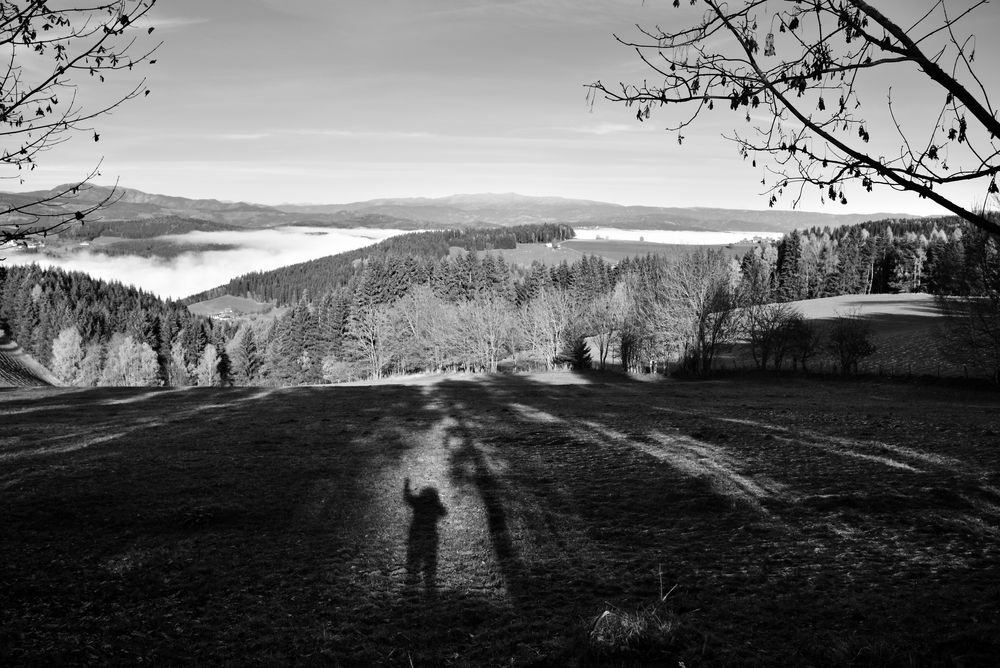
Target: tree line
92, 332
878, 257
401, 313
286, 285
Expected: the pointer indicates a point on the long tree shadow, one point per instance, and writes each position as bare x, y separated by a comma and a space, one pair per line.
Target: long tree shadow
260, 526
469, 465
711, 493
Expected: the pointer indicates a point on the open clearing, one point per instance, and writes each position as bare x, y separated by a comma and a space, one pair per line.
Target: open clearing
907, 331
803, 522
614, 251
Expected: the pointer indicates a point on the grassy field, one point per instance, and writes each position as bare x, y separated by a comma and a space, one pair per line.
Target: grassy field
906, 331
802, 522
239, 305
615, 251
611, 250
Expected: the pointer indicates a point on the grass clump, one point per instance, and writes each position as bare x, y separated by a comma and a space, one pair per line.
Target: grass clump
624, 637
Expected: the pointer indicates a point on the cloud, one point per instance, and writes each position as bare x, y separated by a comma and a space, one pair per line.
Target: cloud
359, 134
682, 237
240, 136
162, 23
196, 271
603, 129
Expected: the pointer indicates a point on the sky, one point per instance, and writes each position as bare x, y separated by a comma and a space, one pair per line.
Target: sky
332, 101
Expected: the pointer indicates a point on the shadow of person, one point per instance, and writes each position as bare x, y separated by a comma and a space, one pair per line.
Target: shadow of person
422, 542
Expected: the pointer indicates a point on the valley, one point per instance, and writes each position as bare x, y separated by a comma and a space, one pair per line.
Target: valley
358, 492
500, 334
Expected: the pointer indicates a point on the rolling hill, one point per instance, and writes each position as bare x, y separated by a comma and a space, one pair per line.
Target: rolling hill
514, 209
456, 211
135, 205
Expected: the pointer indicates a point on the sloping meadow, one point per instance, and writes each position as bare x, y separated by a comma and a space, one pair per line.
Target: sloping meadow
767, 522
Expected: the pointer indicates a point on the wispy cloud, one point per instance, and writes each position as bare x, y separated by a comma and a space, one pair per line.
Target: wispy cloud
596, 12
358, 134
239, 136
170, 23
602, 129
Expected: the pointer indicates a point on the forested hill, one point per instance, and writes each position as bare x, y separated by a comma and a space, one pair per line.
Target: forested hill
88, 331
286, 285
145, 228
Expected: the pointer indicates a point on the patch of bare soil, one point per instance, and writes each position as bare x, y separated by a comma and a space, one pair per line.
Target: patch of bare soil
803, 522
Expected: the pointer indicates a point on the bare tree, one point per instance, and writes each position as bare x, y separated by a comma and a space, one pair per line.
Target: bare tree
603, 317
546, 323
971, 334
47, 51
802, 75
765, 328
849, 340
802, 341
129, 363
648, 333
67, 355
699, 297
372, 337
971, 329
484, 330
418, 318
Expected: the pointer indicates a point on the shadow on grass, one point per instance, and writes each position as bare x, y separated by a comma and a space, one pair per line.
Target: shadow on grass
267, 526
422, 540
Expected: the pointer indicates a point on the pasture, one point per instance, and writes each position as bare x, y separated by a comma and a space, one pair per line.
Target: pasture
792, 521
612, 250
907, 331
239, 305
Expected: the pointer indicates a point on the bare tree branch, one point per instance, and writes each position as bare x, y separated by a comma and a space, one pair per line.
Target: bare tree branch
47, 56
804, 106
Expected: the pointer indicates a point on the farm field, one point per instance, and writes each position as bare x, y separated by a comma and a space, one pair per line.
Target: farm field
796, 521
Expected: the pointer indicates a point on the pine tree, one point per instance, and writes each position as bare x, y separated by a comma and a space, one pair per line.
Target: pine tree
245, 357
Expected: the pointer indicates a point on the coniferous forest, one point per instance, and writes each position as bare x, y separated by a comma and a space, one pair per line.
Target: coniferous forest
414, 303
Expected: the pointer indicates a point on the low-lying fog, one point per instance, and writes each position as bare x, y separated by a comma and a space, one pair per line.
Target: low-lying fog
199, 270
684, 237
261, 250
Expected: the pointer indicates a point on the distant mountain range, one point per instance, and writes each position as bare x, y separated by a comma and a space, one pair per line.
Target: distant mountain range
514, 209
455, 211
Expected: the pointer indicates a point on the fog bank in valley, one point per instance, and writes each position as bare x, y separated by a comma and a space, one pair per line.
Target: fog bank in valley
683, 237
262, 250
197, 270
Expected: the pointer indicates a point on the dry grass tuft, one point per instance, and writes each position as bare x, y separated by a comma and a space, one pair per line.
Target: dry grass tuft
647, 632
620, 634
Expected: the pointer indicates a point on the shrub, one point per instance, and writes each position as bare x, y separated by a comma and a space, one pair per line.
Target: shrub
618, 635
849, 341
